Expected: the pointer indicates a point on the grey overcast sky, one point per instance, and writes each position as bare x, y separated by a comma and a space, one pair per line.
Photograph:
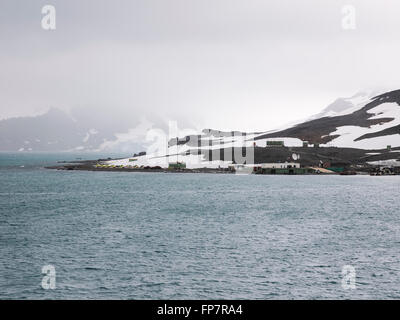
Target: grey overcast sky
225, 64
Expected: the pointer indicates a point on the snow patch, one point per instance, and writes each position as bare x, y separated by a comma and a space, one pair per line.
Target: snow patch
389, 162
348, 134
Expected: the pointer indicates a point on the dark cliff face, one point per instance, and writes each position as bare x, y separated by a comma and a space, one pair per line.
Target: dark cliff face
392, 96
319, 130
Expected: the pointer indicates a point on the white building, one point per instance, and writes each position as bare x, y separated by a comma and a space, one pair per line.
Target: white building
284, 165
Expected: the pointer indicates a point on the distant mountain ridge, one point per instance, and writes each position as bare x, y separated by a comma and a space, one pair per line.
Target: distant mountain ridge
56, 131
364, 121
40, 133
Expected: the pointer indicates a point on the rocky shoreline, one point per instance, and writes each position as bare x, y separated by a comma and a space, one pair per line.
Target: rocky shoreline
99, 165
90, 165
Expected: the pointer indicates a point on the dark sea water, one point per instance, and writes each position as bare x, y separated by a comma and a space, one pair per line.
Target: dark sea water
114, 235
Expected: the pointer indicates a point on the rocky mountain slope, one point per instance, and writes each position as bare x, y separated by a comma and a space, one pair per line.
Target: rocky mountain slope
355, 130
370, 124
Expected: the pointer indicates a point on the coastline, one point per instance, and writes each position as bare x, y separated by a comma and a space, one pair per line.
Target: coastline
90, 165
98, 165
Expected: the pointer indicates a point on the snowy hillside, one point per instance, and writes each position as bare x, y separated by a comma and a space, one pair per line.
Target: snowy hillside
364, 121
343, 106
359, 122
352, 136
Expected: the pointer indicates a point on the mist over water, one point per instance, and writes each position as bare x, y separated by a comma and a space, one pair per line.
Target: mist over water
125, 235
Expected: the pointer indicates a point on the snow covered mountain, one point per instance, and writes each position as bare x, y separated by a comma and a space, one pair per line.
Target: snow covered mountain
343, 106
362, 121
366, 121
58, 131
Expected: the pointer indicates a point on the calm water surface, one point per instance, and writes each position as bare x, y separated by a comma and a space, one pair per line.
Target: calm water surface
194, 236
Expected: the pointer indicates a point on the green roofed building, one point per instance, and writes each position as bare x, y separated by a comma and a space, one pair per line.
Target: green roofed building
275, 143
177, 165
